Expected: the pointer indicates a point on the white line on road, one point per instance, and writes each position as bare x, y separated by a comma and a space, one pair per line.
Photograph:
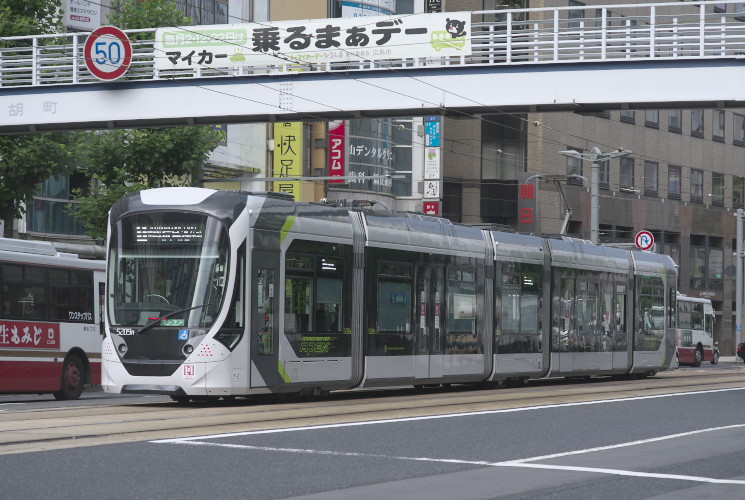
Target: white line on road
434, 417
516, 463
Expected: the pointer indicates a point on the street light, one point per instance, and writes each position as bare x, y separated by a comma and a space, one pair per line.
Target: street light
595, 156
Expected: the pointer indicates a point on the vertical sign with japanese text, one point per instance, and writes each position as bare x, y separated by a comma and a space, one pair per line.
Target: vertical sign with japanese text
288, 157
527, 218
83, 14
337, 151
432, 166
433, 6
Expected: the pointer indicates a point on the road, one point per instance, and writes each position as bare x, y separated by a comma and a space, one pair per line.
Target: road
675, 435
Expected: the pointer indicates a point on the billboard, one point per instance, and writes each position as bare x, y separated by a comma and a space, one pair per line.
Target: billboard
314, 41
288, 157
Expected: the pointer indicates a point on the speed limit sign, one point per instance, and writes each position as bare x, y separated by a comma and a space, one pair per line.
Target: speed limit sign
108, 53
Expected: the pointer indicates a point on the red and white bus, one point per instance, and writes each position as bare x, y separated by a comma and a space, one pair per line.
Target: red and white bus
50, 317
695, 331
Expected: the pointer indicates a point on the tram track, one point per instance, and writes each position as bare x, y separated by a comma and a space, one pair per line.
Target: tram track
108, 422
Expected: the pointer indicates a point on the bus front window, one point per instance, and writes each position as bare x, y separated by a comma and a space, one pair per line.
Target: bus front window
167, 265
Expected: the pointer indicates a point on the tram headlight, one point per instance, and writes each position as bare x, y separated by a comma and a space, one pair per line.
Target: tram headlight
188, 349
229, 339
122, 348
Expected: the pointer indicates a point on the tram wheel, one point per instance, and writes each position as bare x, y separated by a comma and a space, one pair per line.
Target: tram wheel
72, 381
180, 399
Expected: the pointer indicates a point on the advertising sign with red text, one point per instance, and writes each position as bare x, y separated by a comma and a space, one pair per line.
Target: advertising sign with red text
29, 335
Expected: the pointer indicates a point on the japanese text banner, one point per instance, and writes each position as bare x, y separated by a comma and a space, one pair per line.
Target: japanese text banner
314, 41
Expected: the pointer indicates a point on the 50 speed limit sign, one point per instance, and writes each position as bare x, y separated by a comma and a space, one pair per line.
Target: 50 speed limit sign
108, 53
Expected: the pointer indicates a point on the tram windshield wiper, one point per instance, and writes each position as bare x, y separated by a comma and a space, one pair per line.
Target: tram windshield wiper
157, 320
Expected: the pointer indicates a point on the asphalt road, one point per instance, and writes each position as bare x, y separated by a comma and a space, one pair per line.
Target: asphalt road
677, 435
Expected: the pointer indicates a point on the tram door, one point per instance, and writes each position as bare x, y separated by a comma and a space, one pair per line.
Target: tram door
428, 349
264, 314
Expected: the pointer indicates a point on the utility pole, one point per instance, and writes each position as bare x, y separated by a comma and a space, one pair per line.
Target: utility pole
595, 156
738, 279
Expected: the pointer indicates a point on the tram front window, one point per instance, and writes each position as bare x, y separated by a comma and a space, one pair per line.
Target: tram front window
167, 265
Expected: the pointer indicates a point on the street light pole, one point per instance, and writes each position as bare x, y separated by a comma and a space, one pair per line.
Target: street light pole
595, 156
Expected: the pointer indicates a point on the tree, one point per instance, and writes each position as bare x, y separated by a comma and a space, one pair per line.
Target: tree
29, 17
27, 160
138, 14
125, 161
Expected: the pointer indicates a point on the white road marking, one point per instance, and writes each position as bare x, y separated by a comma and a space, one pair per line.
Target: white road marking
434, 417
516, 463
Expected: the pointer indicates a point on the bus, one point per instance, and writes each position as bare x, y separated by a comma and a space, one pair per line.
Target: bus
694, 331
217, 294
50, 315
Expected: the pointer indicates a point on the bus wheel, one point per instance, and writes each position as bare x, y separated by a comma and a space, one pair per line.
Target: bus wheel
698, 356
73, 379
715, 358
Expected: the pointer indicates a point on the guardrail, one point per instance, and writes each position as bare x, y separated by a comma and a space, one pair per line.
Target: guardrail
608, 33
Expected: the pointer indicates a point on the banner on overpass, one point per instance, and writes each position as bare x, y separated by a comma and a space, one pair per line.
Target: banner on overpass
315, 41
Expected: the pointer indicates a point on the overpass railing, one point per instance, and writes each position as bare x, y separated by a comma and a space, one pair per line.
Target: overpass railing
606, 33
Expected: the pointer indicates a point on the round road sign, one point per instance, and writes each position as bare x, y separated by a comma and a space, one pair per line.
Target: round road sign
108, 53
644, 240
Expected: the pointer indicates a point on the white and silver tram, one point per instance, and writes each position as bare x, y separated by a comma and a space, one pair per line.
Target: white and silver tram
218, 294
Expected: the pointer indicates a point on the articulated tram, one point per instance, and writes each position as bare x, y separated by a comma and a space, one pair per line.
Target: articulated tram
220, 294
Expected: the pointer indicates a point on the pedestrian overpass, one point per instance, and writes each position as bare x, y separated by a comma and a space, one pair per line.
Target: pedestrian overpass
592, 58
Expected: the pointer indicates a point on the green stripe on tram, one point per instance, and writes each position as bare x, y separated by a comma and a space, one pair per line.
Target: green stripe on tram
283, 373
286, 228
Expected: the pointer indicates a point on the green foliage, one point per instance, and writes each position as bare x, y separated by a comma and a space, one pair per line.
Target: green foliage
27, 160
29, 17
125, 161
136, 14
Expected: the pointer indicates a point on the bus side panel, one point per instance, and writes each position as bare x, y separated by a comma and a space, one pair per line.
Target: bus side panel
30, 376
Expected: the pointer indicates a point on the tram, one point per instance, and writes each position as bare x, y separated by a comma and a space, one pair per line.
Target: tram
220, 294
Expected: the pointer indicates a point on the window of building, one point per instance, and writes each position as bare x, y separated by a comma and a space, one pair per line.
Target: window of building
675, 120
48, 212
717, 125
738, 191
717, 189
697, 122
205, 11
673, 183
628, 116
698, 262
576, 13
626, 180
574, 168
650, 178
715, 268
652, 118
738, 130
697, 185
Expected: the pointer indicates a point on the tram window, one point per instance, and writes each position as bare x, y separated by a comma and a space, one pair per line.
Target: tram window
519, 324
650, 313
298, 303
587, 338
619, 343
394, 301
462, 334
59, 277
606, 313
265, 310
562, 332
328, 310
